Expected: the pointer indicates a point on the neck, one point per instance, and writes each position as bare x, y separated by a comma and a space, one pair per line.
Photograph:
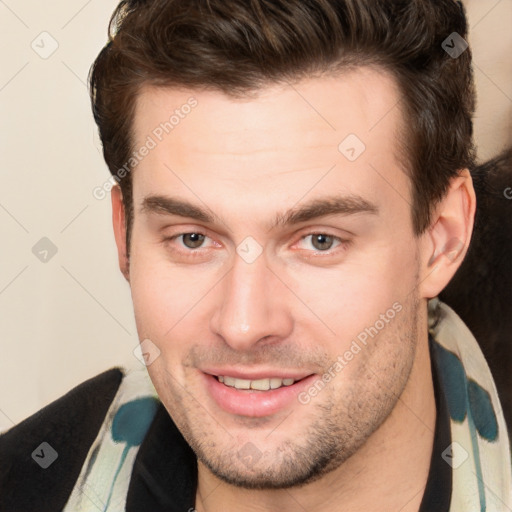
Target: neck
390, 469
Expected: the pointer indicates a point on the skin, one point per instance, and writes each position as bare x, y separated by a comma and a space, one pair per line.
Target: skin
367, 437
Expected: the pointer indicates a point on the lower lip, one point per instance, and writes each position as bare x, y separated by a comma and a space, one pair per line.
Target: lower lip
255, 404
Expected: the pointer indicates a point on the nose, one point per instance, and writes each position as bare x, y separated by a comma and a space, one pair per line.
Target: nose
251, 306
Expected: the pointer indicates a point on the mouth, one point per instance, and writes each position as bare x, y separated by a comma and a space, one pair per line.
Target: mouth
255, 397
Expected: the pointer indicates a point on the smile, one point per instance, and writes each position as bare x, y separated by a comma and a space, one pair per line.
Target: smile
258, 396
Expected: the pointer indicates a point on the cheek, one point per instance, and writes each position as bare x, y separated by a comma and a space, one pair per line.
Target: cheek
352, 296
160, 300
166, 297
156, 292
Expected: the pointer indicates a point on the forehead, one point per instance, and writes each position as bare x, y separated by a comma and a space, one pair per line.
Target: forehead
289, 134
355, 100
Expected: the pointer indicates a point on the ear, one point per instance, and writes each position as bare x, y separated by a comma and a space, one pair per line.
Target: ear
119, 223
446, 242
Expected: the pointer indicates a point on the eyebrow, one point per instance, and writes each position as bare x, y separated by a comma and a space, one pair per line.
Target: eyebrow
321, 207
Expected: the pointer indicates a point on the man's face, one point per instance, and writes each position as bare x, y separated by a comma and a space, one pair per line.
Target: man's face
256, 294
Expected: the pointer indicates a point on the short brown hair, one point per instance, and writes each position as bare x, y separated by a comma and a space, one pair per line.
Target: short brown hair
239, 46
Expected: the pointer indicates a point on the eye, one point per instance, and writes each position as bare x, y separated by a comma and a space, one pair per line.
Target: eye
185, 242
313, 242
322, 241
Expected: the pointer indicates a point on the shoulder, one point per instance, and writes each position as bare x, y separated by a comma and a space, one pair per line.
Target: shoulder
69, 426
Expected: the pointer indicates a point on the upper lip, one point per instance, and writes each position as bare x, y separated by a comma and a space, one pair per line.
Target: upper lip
254, 374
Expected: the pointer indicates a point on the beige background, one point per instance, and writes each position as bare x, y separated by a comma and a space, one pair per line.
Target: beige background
66, 320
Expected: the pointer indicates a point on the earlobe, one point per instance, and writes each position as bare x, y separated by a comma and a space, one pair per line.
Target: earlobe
447, 240
119, 225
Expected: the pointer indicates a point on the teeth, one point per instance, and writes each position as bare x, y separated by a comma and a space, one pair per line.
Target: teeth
259, 385
275, 383
242, 384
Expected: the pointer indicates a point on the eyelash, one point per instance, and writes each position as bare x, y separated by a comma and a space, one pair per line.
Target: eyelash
343, 243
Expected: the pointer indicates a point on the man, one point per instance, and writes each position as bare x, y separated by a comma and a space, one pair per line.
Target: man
293, 195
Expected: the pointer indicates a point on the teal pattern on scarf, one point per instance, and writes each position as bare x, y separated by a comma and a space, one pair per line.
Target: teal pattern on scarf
467, 399
130, 426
